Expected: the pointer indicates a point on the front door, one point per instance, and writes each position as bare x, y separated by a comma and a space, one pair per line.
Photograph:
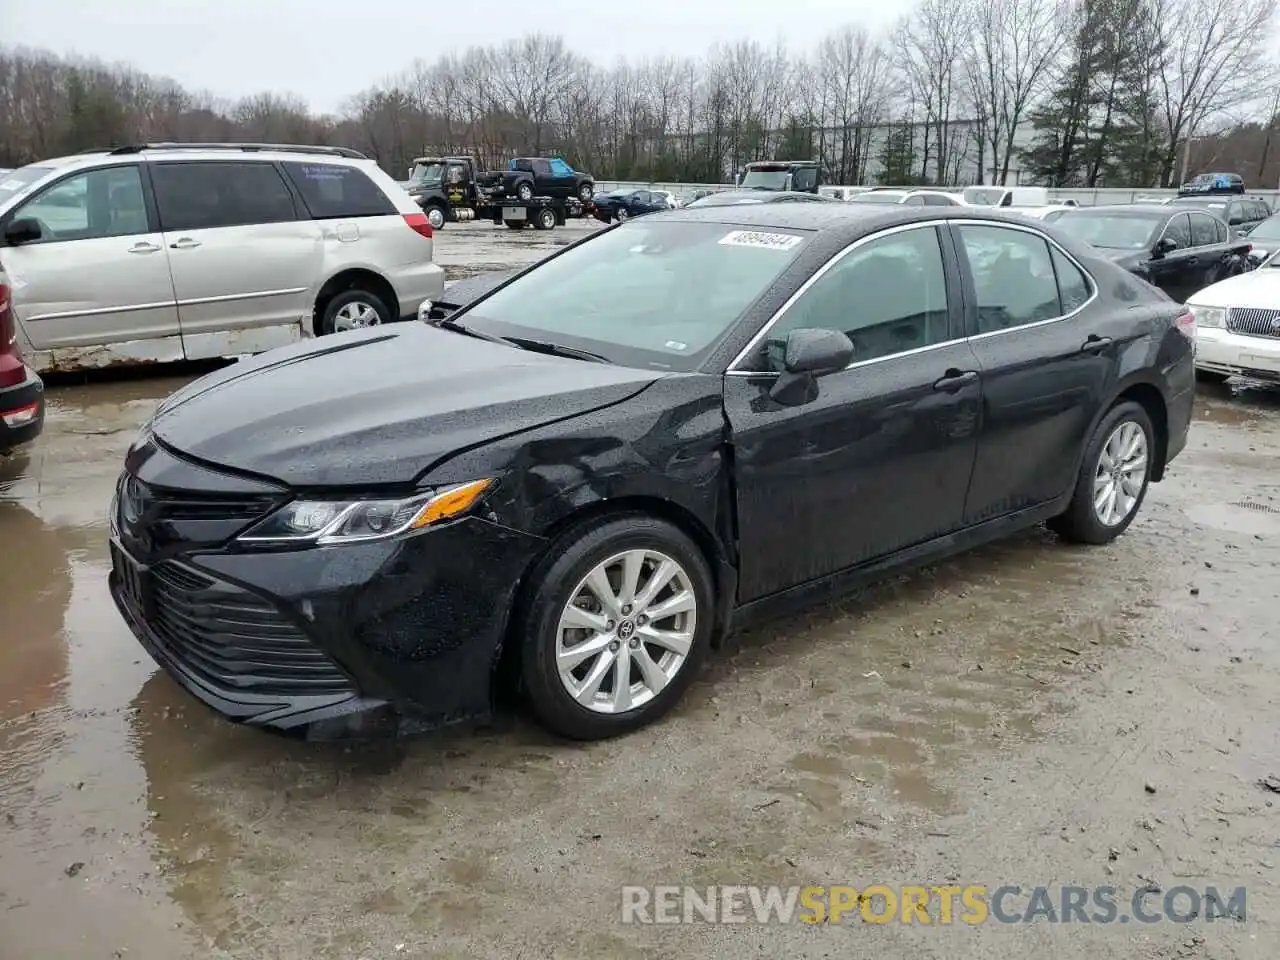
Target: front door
1046, 362
242, 256
880, 458
99, 274
1177, 272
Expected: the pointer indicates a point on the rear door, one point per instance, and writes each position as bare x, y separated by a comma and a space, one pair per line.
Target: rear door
1045, 359
99, 274
545, 183
1213, 257
243, 257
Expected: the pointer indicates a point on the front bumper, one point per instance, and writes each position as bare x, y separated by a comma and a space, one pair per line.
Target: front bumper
21, 411
334, 641
1219, 350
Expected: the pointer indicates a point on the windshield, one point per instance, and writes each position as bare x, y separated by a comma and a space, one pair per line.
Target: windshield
766, 179
984, 196
879, 196
652, 294
1110, 231
427, 172
14, 183
1268, 229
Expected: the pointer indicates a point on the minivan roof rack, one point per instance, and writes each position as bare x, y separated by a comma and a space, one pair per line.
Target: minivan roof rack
246, 147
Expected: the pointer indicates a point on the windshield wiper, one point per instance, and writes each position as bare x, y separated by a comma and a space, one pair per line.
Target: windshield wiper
556, 349
457, 327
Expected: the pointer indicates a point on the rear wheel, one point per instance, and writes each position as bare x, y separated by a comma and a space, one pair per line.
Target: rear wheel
545, 219
622, 214
354, 310
525, 191
515, 224
618, 624
1113, 478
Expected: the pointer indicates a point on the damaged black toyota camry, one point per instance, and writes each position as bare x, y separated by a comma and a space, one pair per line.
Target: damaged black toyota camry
588, 475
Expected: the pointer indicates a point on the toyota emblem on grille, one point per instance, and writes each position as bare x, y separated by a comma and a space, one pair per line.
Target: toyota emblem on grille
1275, 324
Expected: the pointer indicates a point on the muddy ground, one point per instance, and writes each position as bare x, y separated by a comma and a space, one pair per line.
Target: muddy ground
1028, 714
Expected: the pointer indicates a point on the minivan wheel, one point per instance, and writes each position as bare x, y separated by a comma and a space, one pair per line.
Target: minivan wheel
354, 310
619, 621
1113, 478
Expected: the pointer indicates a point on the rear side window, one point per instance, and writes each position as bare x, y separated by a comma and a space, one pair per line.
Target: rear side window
1073, 286
1013, 277
561, 169
1203, 232
333, 192
202, 196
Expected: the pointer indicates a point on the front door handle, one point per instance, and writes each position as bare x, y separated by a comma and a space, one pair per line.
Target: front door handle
1095, 344
184, 243
142, 246
955, 380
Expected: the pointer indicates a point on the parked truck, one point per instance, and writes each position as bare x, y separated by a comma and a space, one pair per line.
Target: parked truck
801, 176
530, 191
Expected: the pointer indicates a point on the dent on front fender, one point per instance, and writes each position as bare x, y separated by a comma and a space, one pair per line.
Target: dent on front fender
666, 444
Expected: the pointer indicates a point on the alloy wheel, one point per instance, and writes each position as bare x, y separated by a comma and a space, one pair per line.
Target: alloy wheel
626, 631
1121, 473
356, 315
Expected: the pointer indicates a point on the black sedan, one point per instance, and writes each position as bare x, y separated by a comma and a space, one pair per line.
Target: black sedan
589, 474
1179, 251
625, 204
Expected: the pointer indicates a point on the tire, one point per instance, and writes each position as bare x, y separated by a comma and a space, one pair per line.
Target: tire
344, 312
524, 191
622, 214
1081, 522
585, 192
515, 224
436, 216
1211, 376
560, 579
545, 219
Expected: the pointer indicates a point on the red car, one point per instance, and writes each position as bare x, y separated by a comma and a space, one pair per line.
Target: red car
21, 390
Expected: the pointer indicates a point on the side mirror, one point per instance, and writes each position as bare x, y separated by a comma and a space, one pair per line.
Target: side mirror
1235, 221
809, 353
1165, 245
22, 230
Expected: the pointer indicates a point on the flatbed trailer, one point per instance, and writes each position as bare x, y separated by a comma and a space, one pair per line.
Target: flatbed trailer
542, 213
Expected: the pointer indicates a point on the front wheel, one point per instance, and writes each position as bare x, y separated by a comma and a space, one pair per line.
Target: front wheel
1113, 478
436, 217
585, 192
1211, 376
618, 624
354, 310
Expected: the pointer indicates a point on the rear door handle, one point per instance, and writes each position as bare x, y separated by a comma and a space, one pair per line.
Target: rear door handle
184, 243
1095, 344
955, 380
142, 246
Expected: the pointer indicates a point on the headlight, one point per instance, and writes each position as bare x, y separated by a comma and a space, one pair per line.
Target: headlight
323, 522
1209, 316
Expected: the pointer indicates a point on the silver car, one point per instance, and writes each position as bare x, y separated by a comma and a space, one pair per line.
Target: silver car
191, 251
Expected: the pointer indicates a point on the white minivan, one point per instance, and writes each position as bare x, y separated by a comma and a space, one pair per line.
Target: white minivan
190, 251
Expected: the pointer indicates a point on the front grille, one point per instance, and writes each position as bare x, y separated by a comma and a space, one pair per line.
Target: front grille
229, 637
1254, 321
159, 505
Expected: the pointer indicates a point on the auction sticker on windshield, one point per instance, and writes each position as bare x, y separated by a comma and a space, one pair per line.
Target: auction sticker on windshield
754, 238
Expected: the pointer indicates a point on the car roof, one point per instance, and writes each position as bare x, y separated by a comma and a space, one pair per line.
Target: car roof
762, 196
1142, 211
844, 221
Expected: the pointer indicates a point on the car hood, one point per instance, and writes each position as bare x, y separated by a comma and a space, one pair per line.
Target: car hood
1259, 289
459, 293
379, 406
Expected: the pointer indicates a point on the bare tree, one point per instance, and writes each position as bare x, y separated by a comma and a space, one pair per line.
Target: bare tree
929, 45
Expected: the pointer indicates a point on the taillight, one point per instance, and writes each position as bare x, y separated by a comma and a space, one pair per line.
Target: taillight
12, 370
419, 223
1187, 325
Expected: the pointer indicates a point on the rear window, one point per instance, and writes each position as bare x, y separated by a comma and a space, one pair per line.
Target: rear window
332, 192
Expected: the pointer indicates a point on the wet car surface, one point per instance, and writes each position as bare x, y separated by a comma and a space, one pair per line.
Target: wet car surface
994, 719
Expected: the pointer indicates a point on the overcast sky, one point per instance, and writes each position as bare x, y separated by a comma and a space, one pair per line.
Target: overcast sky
325, 50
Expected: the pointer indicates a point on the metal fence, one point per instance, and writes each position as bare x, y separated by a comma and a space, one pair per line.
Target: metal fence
1091, 198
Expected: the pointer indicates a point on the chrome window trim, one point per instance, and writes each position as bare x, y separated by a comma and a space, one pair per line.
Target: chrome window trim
1164, 232
754, 342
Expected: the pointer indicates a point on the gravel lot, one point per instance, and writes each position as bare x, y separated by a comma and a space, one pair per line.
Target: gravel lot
1026, 714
